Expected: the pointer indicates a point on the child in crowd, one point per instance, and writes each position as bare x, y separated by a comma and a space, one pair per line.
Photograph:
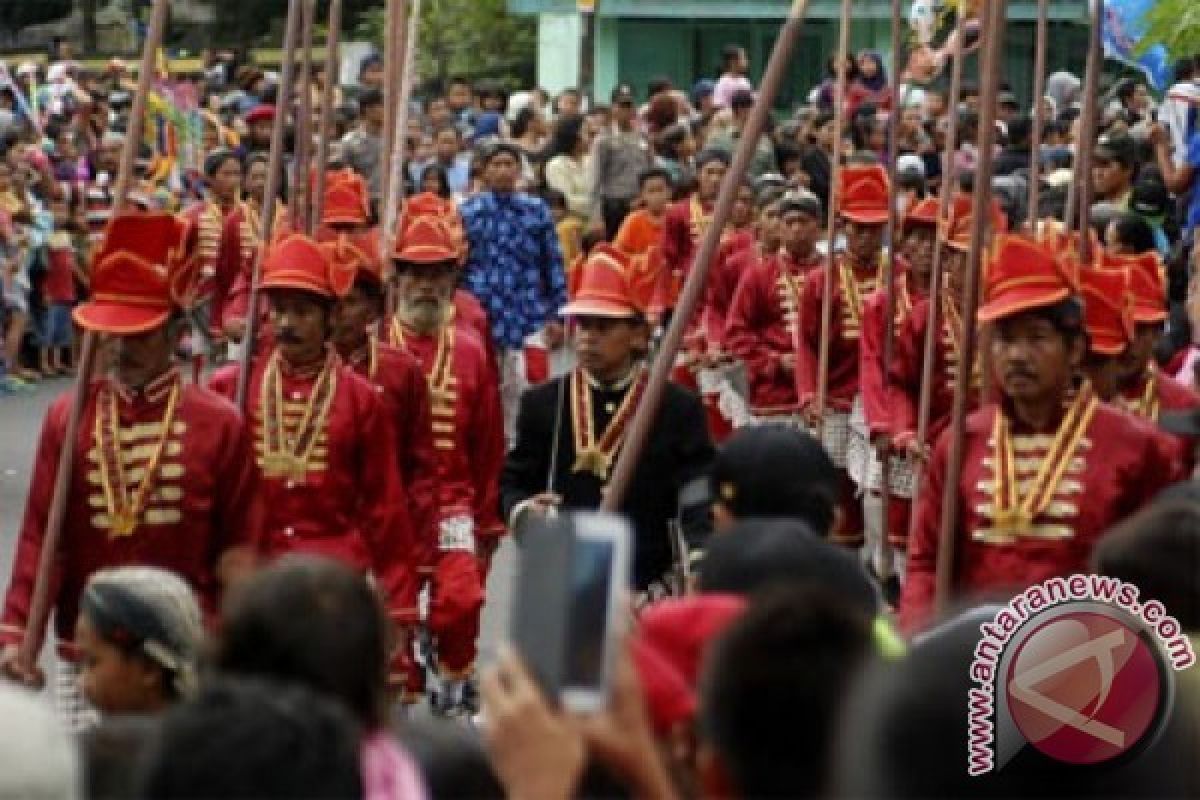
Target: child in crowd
58, 293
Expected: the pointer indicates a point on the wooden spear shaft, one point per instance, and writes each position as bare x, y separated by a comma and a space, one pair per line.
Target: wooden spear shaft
1039, 125
302, 200
271, 194
39, 602
398, 148
831, 226
1087, 133
933, 318
693, 287
989, 68
395, 40
328, 95
889, 281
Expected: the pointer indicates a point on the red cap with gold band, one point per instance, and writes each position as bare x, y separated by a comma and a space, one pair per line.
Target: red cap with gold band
347, 199
863, 195
139, 274
924, 213
426, 240
604, 287
1147, 284
355, 251
956, 230
1107, 309
296, 261
1023, 275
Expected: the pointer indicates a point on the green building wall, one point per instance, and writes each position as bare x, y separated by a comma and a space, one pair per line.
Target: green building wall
636, 40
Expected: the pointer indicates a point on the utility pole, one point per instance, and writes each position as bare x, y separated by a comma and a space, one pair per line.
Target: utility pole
587, 52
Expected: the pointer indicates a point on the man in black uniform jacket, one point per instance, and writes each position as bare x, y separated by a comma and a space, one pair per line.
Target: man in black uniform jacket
570, 429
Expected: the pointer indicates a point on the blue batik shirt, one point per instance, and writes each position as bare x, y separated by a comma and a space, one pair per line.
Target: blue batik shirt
515, 266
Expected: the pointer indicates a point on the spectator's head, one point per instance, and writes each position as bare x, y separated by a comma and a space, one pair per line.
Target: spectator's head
459, 94
255, 181
659, 84
624, 107
734, 60
775, 470
1114, 165
1158, 550
677, 142
871, 72
435, 181
741, 103
447, 143
756, 555
654, 190
370, 72
38, 760
567, 137
702, 95
1007, 106
452, 759
1133, 95
312, 622
662, 111
1150, 199
1020, 129
370, 107
1128, 234
528, 122
140, 632
492, 97
771, 693
711, 166
501, 163
252, 739
568, 103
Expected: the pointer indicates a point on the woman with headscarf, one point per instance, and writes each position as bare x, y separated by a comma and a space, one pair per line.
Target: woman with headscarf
139, 632
869, 85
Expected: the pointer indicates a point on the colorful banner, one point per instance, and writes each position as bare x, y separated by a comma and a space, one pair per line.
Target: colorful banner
1122, 30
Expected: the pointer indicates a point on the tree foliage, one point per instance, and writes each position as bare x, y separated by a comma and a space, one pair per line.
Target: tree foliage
475, 38
19, 13
1176, 25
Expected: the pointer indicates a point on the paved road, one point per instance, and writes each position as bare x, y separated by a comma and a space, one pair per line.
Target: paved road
20, 422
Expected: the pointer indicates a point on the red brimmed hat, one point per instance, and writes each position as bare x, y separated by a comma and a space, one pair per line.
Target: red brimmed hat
605, 288
428, 204
1107, 309
426, 240
296, 261
139, 274
863, 195
1023, 275
924, 213
355, 251
956, 230
347, 199
1147, 284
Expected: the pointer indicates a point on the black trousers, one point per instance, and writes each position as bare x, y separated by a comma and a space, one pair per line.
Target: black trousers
615, 210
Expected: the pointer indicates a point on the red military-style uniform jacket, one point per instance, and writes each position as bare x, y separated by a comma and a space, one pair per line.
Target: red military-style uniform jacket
469, 311
345, 506
209, 240
879, 394
203, 501
683, 225
400, 383
737, 253
844, 330
468, 429
905, 370
1156, 393
762, 327
1118, 467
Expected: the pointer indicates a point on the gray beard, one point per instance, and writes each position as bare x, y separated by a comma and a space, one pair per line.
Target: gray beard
422, 317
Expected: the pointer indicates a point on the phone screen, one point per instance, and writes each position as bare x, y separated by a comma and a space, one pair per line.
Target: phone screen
587, 621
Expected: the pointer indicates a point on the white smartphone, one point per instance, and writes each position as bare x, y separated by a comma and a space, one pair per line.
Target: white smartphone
567, 621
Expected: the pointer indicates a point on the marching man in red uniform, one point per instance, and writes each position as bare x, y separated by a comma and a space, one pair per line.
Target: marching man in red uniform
763, 320
161, 475
863, 198
1143, 390
323, 440
686, 221
468, 440
1047, 469
917, 242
